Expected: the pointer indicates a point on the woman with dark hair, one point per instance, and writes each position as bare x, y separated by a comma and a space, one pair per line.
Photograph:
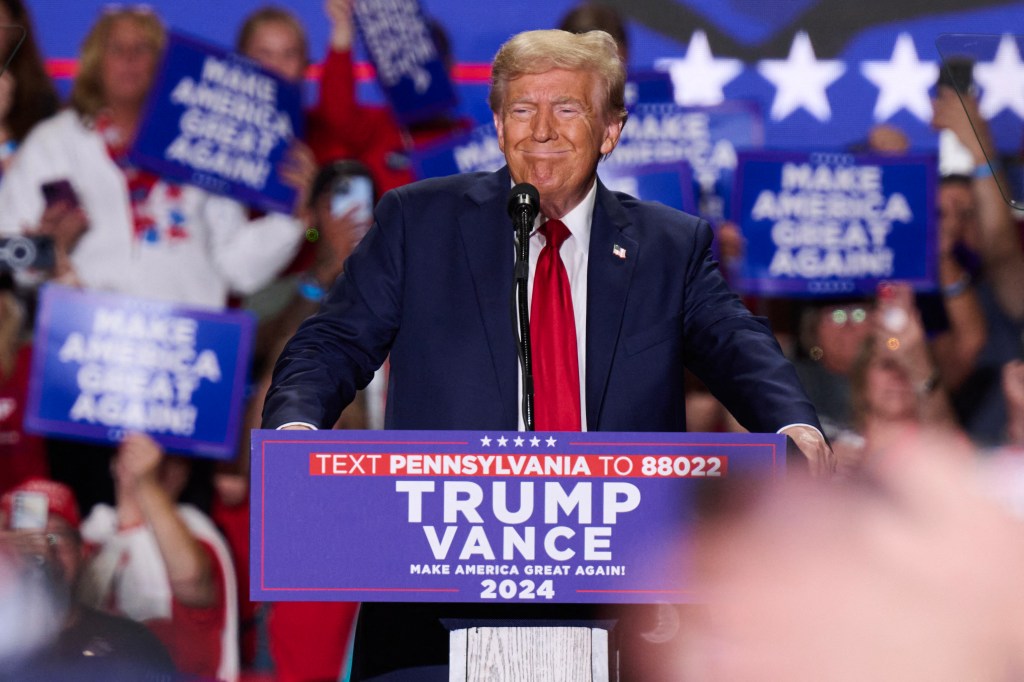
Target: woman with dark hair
27, 95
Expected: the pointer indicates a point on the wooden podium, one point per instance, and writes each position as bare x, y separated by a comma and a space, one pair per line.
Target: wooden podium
538, 654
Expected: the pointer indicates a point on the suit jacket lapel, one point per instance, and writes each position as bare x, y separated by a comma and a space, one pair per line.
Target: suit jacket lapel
613, 255
489, 241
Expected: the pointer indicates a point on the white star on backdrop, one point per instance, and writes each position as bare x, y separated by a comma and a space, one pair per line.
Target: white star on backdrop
535, 441
903, 81
698, 78
1001, 80
800, 80
519, 442
485, 441
502, 442
551, 441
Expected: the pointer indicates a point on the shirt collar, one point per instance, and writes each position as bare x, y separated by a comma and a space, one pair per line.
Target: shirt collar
579, 219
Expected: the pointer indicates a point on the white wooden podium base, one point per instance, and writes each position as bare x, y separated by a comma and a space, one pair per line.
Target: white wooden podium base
528, 654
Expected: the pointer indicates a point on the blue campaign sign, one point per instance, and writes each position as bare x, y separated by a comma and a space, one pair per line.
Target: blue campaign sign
409, 67
217, 120
485, 516
706, 138
648, 87
828, 224
474, 151
670, 184
105, 364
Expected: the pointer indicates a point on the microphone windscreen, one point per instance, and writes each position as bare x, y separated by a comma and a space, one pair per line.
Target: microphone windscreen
523, 194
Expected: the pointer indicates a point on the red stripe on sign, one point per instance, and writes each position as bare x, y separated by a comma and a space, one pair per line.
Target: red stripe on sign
465, 74
62, 68
525, 465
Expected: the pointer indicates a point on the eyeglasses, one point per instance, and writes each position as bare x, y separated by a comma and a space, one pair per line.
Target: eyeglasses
61, 539
118, 8
841, 316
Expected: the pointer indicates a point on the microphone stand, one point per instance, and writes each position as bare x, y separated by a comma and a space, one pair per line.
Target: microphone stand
523, 207
522, 274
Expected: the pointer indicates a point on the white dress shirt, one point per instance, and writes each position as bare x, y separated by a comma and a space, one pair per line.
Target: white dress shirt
575, 253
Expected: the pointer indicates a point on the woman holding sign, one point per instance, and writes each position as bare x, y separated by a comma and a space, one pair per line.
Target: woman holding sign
123, 228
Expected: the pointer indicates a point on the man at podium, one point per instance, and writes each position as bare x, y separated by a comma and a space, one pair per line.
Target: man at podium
624, 295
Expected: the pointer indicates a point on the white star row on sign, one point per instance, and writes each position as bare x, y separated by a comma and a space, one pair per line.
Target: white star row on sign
518, 441
801, 80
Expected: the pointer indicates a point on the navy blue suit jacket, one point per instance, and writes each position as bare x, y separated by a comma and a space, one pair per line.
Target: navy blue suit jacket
431, 284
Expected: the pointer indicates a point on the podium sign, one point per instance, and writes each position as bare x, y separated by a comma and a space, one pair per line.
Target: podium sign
430, 516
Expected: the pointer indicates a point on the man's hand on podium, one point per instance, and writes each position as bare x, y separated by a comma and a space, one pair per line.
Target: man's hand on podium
812, 444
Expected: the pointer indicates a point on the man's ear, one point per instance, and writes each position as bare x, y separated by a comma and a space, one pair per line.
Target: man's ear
611, 137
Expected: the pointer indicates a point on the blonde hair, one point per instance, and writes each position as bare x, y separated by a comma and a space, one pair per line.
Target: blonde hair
534, 52
87, 96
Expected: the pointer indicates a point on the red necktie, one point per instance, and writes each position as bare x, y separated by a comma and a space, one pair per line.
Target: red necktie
556, 370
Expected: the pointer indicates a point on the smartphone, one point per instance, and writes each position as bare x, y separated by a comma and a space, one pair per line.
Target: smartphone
352, 191
60, 191
29, 510
954, 157
957, 73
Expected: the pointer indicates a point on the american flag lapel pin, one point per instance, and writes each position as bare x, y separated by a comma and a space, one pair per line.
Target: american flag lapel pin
619, 252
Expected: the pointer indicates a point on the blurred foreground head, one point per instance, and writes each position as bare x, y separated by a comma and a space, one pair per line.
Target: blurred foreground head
909, 573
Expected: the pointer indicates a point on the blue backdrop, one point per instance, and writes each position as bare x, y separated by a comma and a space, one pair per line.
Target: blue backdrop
823, 71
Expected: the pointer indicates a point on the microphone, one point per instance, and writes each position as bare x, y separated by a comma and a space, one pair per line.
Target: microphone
523, 206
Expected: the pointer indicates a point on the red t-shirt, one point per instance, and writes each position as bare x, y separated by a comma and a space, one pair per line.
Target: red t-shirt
192, 635
22, 456
339, 127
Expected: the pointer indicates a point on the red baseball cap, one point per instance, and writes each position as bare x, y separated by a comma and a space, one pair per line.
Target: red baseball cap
61, 499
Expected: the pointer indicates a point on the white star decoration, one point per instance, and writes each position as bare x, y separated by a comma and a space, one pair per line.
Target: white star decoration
502, 441
903, 81
800, 80
1001, 80
698, 78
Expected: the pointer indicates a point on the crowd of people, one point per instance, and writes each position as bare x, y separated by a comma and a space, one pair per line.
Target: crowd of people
139, 568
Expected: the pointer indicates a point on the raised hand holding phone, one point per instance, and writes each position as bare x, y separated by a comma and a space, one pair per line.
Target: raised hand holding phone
63, 219
30, 510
